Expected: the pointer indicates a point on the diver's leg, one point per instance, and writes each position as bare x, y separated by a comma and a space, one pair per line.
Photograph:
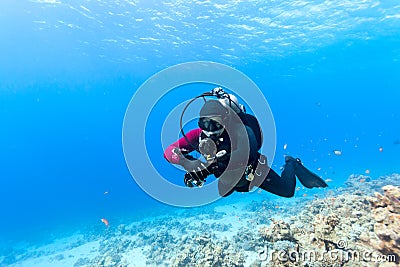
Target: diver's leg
283, 186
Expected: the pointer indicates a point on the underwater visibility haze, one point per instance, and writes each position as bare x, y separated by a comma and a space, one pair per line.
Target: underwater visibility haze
328, 69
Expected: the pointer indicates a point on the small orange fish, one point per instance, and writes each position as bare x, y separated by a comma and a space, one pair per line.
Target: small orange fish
304, 195
381, 149
276, 207
105, 221
362, 180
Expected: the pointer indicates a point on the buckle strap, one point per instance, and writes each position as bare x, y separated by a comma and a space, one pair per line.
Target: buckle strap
249, 173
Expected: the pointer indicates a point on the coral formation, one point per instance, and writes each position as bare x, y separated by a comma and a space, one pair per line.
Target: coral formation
280, 230
206, 250
348, 226
386, 212
338, 230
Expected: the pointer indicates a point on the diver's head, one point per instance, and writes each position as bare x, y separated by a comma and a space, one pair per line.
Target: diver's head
213, 118
230, 101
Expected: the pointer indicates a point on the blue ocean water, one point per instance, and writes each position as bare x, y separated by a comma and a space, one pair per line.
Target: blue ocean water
68, 69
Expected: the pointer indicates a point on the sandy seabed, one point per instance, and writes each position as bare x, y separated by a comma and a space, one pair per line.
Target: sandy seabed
354, 225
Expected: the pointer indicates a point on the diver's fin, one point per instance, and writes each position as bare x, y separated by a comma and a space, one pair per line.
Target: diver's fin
305, 176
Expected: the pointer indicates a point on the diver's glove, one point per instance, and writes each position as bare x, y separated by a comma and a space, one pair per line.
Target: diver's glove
192, 179
194, 165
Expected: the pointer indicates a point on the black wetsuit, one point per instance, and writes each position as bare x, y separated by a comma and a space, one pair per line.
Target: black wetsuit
283, 186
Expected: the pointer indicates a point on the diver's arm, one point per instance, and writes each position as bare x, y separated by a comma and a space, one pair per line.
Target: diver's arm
173, 152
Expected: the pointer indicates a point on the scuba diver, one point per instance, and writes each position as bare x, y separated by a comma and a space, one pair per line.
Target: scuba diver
226, 130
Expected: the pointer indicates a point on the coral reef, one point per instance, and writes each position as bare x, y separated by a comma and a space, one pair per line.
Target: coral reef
337, 230
386, 212
364, 185
280, 230
357, 225
206, 250
246, 240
